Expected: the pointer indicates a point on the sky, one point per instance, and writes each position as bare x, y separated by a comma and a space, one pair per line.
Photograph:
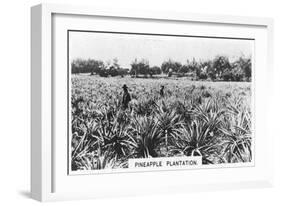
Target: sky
155, 49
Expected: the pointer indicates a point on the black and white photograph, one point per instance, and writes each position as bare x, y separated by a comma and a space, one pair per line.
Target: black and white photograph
143, 101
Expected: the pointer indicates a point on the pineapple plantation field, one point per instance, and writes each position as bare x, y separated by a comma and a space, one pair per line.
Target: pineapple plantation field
193, 118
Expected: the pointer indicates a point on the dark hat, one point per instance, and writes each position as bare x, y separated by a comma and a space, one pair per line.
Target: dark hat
124, 86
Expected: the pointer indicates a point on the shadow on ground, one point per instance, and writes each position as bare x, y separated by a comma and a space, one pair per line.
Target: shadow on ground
25, 193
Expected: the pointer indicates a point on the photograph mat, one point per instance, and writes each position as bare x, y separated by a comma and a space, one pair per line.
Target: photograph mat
67, 183
250, 48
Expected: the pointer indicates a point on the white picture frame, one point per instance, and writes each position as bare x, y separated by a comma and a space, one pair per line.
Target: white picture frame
47, 184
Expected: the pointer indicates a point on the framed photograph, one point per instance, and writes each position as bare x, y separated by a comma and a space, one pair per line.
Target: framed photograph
137, 102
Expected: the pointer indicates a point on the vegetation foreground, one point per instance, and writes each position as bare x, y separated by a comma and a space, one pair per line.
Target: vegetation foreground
208, 119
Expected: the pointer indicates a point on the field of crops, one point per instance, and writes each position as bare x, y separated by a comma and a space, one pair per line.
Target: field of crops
208, 119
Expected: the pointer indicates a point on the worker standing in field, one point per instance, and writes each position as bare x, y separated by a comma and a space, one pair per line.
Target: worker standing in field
126, 97
162, 91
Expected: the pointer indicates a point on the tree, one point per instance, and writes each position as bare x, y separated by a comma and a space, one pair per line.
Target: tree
154, 70
78, 66
123, 71
75, 64
237, 74
220, 64
86, 66
184, 69
140, 67
227, 75
170, 65
113, 69
193, 66
95, 66
245, 64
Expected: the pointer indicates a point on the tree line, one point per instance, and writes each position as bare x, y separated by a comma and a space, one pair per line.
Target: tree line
220, 68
